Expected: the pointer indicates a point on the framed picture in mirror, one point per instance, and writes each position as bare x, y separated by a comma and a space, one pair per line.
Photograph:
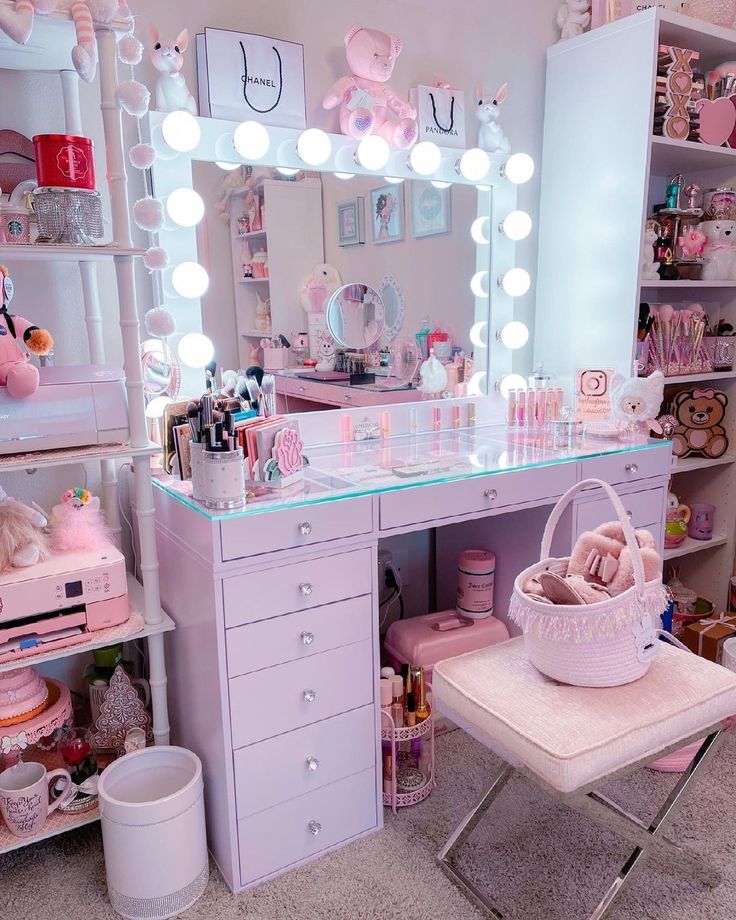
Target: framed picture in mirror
351, 222
431, 210
387, 214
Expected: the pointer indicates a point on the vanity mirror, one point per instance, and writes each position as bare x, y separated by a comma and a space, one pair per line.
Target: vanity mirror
270, 241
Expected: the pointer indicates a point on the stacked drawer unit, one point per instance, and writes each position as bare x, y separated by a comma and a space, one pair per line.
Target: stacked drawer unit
301, 678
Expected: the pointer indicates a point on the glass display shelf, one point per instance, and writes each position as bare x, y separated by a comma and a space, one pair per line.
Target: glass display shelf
359, 468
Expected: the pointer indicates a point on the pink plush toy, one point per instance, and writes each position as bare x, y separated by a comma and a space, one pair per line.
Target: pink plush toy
78, 523
18, 337
365, 97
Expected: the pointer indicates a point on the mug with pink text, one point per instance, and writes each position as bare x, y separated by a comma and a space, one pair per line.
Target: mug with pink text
24, 797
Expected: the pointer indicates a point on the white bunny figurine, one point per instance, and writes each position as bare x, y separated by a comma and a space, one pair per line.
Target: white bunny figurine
488, 110
167, 57
648, 268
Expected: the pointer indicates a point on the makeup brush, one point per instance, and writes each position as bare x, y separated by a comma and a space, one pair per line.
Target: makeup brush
268, 395
194, 422
254, 392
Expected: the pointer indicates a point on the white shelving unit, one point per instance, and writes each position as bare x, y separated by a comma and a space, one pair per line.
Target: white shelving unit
602, 170
50, 50
293, 237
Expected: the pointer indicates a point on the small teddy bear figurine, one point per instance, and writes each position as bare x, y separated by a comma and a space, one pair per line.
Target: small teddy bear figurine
488, 110
19, 338
635, 403
167, 56
365, 98
573, 18
719, 252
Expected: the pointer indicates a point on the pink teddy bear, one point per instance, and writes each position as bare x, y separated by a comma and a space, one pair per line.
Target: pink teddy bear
365, 97
18, 337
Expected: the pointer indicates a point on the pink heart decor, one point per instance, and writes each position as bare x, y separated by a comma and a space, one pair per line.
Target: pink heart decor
717, 120
732, 139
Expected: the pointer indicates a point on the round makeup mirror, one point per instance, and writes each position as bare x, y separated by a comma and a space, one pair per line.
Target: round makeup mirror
394, 307
355, 316
161, 371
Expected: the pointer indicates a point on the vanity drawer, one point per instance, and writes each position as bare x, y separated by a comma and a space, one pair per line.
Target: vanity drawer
628, 466
304, 760
298, 635
300, 586
278, 837
410, 506
643, 508
272, 531
288, 696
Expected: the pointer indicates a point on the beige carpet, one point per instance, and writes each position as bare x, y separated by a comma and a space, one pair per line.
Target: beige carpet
542, 861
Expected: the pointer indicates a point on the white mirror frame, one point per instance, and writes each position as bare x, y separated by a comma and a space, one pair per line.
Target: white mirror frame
388, 282
496, 198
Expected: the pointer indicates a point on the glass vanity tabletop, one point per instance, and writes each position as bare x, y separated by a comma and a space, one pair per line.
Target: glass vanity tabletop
358, 468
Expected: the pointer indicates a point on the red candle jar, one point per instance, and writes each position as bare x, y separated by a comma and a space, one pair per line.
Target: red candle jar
64, 160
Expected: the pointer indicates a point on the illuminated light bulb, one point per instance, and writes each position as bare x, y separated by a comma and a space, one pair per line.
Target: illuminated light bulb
476, 333
287, 170
438, 183
393, 180
185, 207
479, 284
228, 167
474, 164
517, 225
511, 382
373, 152
251, 140
480, 230
519, 168
314, 146
474, 387
156, 407
514, 335
483, 188
181, 131
343, 175
425, 158
516, 282
195, 350
190, 279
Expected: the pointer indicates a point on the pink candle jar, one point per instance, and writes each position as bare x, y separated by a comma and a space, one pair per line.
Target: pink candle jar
15, 224
476, 569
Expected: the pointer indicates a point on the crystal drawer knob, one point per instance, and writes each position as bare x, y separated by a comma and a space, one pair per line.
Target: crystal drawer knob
629, 514
307, 638
314, 828
632, 468
305, 528
305, 589
309, 696
312, 764
491, 494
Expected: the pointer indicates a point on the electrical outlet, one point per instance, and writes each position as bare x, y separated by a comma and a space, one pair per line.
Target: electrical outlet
401, 564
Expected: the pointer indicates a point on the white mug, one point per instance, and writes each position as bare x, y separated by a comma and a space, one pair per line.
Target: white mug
24, 797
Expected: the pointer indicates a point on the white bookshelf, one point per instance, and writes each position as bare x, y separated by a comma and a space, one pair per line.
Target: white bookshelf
293, 237
601, 171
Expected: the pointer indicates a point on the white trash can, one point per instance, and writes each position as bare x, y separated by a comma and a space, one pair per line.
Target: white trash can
729, 654
153, 831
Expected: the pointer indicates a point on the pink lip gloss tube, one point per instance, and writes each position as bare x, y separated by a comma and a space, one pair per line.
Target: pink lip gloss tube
456, 417
530, 408
347, 428
511, 409
436, 419
386, 424
520, 409
541, 408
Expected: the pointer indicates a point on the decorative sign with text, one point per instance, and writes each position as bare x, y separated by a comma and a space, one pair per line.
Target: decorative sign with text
244, 77
593, 394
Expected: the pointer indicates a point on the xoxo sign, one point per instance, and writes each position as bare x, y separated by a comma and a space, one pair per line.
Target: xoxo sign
679, 85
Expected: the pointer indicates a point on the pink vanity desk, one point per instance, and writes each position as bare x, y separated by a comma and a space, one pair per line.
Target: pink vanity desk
275, 659
302, 394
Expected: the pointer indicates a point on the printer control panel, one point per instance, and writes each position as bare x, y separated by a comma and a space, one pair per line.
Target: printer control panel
92, 588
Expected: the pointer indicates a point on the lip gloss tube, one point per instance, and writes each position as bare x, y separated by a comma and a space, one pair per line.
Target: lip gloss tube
541, 409
386, 423
436, 419
347, 428
511, 409
520, 409
413, 422
456, 417
471, 415
530, 408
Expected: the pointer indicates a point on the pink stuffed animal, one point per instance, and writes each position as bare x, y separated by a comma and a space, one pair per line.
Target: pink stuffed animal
365, 97
78, 523
18, 337
22, 538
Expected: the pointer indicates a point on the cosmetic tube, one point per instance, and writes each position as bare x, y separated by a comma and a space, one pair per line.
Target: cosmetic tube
347, 429
541, 408
520, 409
456, 417
436, 419
511, 409
386, 424
397, 706
413, 422
388, 673
422, 705
531, 405
471, 415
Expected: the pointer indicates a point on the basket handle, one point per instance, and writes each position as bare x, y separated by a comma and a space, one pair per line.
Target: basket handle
559, 509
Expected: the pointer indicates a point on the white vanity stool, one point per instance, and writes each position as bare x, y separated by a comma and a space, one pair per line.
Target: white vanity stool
569, 740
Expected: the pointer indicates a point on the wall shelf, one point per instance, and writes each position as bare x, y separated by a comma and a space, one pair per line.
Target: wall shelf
32, 252
253, 280
49, 458
702, 463
687, 285
670, 156
689, 546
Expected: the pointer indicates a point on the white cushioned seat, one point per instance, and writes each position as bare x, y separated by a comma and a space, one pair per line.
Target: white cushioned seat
573, 736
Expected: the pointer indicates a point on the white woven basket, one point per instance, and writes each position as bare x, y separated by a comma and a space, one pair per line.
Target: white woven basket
606, 644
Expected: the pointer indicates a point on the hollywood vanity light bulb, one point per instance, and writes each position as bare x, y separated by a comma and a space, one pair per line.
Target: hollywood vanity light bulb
314, 146
519, 168
373, 152
181, 131
195, 350
287, 170
155, 408
516, 282
476, 333
251, 140
425, 158
189, 279
228, 167
479, 284
474, 164
393, 180
344, 176
185, 207
517, 225
480, 230
514, 335
439, 183
511, 382
475, 384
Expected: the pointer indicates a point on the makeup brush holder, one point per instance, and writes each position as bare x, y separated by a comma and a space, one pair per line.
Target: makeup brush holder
721, 351
197, 465
223, 478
